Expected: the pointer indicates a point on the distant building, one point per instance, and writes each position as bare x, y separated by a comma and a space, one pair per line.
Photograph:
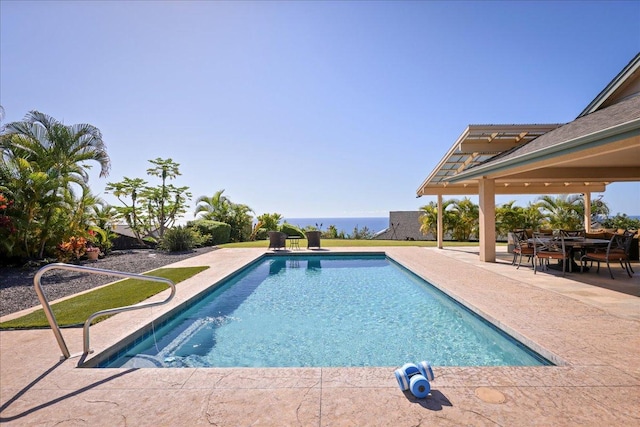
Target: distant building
126, 239
403, 225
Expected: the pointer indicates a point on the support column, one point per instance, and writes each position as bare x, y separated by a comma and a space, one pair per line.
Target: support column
587, 212
440, 236
487, 194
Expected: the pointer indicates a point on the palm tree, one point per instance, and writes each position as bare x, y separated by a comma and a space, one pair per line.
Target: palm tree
563, 211
509, 218
43, 159
464, 219
215, 208
429, 219
56, 148
240, 221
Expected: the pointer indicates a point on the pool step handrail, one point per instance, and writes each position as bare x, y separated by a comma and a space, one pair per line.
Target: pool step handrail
92, 270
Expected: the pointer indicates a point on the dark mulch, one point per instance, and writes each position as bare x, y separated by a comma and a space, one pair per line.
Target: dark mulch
17, 289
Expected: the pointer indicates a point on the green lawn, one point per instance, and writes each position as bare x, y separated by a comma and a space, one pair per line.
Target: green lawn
76, 310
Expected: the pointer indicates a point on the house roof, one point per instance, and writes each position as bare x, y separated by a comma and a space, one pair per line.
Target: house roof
476, 145
624, 84
601, 146
604, 144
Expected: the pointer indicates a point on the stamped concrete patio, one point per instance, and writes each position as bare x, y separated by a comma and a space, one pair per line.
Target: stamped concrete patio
588, 324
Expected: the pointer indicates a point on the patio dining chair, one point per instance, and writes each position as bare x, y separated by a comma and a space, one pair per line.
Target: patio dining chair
521, 247
546, 248
617, 250
573, 233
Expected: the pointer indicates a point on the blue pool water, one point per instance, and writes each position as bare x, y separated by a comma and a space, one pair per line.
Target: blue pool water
303, 311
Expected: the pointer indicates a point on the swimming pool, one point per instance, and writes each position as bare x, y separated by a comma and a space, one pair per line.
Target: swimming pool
324, 310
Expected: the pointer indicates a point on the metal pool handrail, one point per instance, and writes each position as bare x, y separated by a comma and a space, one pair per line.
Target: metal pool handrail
52, 319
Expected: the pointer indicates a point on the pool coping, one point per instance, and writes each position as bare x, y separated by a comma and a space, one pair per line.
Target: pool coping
600, 382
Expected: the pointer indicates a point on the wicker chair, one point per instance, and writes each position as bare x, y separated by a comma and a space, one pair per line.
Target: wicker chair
277, 240
313, 239
617, 250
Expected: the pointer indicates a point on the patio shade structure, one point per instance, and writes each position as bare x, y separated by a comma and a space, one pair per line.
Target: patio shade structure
601, 146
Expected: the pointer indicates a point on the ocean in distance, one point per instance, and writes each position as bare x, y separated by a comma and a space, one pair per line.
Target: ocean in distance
374, 224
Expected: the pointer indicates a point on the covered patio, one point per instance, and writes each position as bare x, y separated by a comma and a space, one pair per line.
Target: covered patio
601, 146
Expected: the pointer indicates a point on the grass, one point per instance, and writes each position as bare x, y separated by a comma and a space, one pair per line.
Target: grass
75, 311
337, 243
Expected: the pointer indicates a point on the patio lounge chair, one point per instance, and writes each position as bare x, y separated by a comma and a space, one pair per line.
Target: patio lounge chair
617, 250
277, 240
313, 239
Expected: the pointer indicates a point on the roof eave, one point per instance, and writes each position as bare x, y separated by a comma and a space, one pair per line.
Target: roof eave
622, 131
613, 85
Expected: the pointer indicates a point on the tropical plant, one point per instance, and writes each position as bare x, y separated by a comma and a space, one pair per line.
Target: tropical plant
214, 208
361, 233
332, 233
270, 221
533, 216
266, 222
562, 212
464, 219
72, 249
429, 219
165, 203
220, 208
240, 220
622, 221
132, 211
292, 230
509, 218
179, 239
150, 210
42, 163
212, 232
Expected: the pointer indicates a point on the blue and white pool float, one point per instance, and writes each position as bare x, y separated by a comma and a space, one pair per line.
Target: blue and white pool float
415, 378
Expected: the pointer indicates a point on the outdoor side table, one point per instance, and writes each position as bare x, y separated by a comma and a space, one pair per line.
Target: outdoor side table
294, 242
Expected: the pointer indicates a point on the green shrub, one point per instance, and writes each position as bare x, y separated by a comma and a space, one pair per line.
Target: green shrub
178, 239
291, 230
621, 221
212, 232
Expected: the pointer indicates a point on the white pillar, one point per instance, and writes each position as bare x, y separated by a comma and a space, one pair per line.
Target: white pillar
487, 194
587, 212
440, 237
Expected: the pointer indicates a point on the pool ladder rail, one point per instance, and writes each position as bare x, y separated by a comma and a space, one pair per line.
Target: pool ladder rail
91, 270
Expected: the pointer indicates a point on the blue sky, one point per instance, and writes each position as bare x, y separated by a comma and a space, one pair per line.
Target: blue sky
308, 109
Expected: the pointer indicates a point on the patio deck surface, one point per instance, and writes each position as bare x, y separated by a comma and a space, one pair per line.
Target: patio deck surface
588, 324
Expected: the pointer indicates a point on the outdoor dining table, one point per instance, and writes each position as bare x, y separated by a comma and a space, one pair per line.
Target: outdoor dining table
574, 244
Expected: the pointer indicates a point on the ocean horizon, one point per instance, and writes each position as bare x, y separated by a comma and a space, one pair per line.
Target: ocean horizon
346, 224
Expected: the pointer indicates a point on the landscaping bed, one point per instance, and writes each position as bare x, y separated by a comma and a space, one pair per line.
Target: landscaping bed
16, 284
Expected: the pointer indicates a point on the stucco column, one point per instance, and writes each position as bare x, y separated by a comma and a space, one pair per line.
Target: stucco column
587, 212
440, 232
487, 194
